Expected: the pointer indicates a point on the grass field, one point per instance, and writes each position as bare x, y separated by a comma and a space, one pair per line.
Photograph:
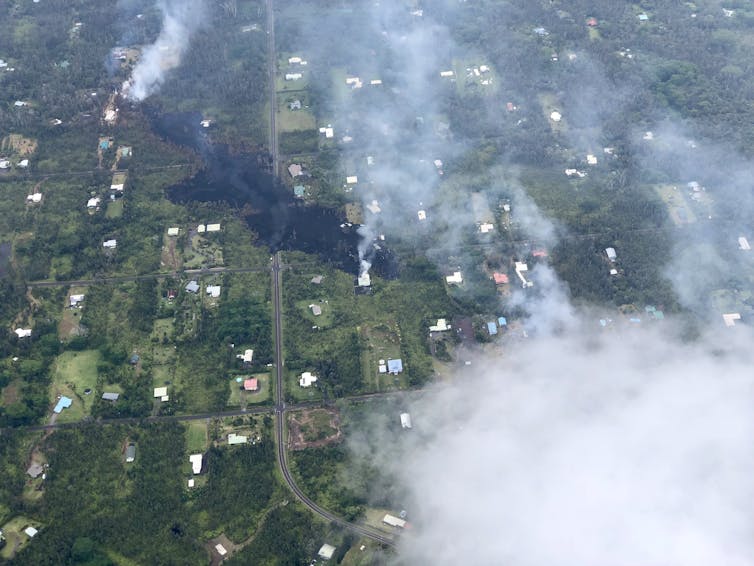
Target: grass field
196, 436
74, 372
294, 120
323, 320
14, 534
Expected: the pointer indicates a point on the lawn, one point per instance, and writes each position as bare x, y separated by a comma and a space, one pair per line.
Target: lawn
382, 344
75, 372
294, 120
114, 208
196, 437
324, 320
240, 398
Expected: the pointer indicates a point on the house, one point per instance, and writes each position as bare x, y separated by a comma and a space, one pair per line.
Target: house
611, 255
174, 231
110, 244
395, 366
405, 420
521, 267
447, 74
354, 82
63, 403
220, 549
352, 180
35, 470
295, 170
500, 278
20, 104
316, 309
441, 326
492, 328
130, 452
93, 202
295, 105
327, 130
119, 182
247, 356
642, 17
317, 279
75, 300
502, 321
375, 82
326, 551
206, 123
161, 393
296, 61
192, 287
201, 229
213, 227
486, 227
731, 318
134, 359
299, 191
743, 244
214, 291
455, 279
293, 76
591, 22
364, 280
234, 439
307, 379
110, 396
393, 521
34, 198
539, 252
30, 531
4, 164
422, 215
196, 463
23, 332
251, 384
23, 164
556, 116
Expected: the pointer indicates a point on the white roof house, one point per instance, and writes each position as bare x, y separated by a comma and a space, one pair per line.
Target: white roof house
422, 215
214, 291
24, 163
486, 227
93, 202
455, 279
247, 356
556, 116
111, 244
220, 549
160, 392
174, 231
730, 318
521, 267
364, 280
441, 326
393, 521
352, 179
611, 255
234, 439
30, 531
35, 197
201, 228
293, 76
327, 130
196, 463
591, 159
23, 332
447, 73
307, 379
326, 552
75, 300
213, 227
743, 243
405, 420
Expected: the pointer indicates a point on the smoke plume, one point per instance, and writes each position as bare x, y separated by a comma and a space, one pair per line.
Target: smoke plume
180, 19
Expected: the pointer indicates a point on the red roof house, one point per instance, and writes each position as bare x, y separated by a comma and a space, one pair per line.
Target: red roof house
500, 278
591, 22
251, 384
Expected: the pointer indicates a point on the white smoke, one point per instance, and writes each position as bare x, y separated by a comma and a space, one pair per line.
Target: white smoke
180, 19
582, 450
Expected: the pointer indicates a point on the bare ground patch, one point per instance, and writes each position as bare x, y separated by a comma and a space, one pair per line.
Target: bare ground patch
313, 428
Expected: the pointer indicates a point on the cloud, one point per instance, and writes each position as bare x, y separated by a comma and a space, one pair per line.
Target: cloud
624, 448
180, 19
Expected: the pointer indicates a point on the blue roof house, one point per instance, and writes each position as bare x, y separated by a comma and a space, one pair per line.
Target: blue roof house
492, 328
63, 403
395, 366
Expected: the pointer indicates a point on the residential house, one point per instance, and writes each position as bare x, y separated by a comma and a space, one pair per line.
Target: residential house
110, 396
23, 332
214, 291
192, 287
74, 300
316, 309
405, 420
110, 244
130, 452
196, 463
326, 551
251, 384
307, 379
395, 366
455, 279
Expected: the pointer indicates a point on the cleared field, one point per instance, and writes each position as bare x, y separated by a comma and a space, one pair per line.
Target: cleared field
74, 373
15, 536
678, 206
114, 209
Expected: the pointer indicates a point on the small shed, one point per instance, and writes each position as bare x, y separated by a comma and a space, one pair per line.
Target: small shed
130, 452
35, 470
110, 396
